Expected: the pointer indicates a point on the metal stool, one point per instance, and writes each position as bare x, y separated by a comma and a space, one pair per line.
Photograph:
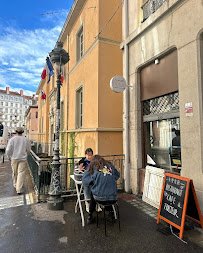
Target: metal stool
115, 208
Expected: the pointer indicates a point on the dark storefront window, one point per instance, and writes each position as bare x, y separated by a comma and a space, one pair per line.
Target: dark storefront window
161, 129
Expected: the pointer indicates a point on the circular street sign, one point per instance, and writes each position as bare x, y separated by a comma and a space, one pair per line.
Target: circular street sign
118, 84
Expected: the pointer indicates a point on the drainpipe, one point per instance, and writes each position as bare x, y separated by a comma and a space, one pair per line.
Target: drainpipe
126, 103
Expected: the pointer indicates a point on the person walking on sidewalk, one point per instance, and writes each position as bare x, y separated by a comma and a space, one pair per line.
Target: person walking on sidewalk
17, 151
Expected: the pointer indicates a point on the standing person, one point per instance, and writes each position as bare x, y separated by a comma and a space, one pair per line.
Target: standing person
103, 176
83, 165
176, 139
17, 151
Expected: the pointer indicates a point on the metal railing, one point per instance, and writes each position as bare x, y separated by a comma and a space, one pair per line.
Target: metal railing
40, 170
43, 148
150, 7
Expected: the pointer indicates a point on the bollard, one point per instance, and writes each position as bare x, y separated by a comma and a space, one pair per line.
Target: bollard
3, 158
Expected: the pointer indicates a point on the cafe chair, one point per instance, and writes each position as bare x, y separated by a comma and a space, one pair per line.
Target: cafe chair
115, 208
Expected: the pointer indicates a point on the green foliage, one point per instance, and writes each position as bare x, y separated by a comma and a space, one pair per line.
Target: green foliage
63, 143
72, 145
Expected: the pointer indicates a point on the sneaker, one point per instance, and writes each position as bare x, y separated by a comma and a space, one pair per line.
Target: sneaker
98, 208
87, 205
90, 219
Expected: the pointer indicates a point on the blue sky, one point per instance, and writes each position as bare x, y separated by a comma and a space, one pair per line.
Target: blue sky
26, 37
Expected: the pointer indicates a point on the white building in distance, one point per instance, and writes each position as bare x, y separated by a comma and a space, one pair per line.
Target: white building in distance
12, 108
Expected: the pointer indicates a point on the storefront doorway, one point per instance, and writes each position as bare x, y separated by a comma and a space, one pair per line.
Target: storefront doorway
161, 130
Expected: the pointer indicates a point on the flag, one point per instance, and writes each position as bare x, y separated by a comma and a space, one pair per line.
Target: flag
43, 96
43, 75
48, 70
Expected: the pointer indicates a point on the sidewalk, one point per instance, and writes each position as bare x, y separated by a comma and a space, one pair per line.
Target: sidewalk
27, 228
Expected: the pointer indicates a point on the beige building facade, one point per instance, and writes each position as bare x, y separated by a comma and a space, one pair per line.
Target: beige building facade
163, 61
31, 121
43, 114
91, 113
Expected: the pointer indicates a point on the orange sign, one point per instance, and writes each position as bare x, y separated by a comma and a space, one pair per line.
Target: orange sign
179, 200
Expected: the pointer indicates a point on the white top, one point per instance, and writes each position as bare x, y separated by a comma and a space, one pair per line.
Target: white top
76, 181
18, 148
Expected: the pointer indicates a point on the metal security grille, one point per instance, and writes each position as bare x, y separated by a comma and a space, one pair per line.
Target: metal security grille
150, 7
162, 104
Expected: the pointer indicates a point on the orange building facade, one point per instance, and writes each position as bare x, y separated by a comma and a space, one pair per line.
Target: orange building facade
91, 113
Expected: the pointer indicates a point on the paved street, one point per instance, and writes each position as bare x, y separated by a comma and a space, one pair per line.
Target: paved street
27, 228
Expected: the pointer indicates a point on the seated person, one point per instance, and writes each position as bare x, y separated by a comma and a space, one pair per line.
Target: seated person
85, 161
103, 176
83, 165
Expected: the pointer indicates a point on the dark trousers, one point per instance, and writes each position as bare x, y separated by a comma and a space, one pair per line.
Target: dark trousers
93, 204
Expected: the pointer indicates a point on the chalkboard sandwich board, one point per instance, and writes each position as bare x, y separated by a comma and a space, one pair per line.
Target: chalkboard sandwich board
178, 200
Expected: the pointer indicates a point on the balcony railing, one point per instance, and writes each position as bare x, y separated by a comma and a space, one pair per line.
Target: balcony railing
150, 7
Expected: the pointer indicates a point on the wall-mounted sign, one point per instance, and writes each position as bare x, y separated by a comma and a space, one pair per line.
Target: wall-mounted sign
118, 84
188, 109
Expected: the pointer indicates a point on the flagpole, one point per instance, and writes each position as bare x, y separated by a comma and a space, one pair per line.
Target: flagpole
55, 202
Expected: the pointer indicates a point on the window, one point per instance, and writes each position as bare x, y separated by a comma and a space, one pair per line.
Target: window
20, 111
53, 81
5, 117
150, 7
6, 110
161, 129
6, 103
39, 125
10, 117
11, 110
79, 108
16, 99
80, 43
11, 104
11, 98
42, 124
2, 103
16, 105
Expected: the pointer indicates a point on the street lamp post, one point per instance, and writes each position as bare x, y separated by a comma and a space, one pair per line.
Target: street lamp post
60, 57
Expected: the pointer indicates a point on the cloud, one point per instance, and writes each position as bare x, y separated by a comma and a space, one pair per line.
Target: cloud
23, 52
14, 69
